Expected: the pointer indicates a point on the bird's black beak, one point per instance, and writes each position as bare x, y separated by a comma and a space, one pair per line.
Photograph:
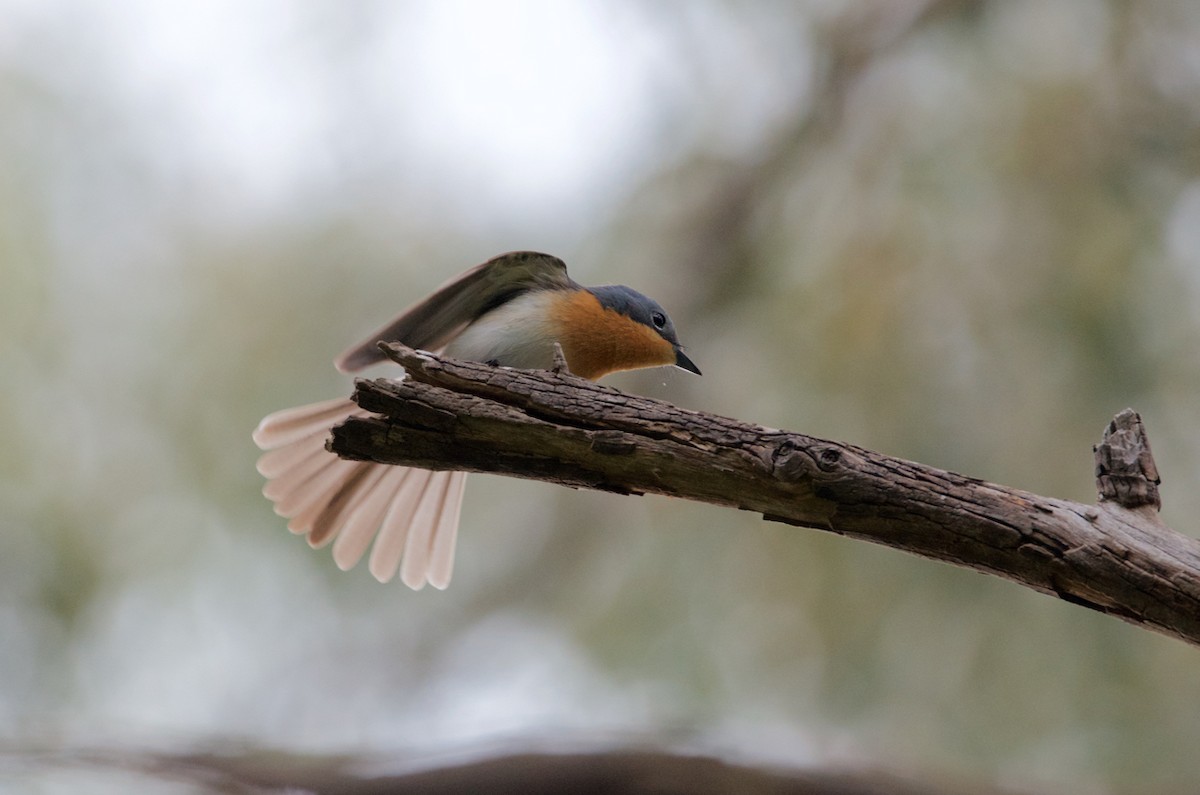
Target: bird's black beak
684, 363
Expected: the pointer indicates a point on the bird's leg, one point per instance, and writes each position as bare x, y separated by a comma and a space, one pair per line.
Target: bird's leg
560, 361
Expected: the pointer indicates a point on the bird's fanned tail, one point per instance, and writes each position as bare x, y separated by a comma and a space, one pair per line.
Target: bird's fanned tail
412, 514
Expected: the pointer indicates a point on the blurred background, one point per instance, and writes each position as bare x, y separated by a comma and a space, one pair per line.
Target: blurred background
965, 233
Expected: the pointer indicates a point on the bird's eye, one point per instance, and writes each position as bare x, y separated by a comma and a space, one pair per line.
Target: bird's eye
659, 320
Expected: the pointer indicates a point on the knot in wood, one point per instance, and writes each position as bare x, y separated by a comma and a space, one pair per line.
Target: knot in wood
788, 463
828, 457
794, 460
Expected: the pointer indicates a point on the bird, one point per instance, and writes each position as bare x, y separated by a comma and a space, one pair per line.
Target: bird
509, 312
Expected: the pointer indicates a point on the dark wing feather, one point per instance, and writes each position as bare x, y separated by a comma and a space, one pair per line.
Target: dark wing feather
433, 322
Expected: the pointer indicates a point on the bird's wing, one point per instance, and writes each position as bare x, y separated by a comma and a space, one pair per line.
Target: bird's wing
433, 322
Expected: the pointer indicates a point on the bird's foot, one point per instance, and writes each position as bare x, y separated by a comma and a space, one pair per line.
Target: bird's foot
560, 361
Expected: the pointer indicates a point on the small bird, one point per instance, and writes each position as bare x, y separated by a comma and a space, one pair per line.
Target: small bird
509, 311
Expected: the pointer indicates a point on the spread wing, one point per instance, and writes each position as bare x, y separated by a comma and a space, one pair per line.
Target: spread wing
433, 322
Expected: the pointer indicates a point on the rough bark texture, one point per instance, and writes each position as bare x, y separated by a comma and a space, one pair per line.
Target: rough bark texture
553, 426
1125, 469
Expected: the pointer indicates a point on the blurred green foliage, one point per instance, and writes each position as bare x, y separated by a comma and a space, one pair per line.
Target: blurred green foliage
960, 232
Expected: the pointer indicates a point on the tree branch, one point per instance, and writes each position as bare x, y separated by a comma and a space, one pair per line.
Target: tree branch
629, 772
1123, 561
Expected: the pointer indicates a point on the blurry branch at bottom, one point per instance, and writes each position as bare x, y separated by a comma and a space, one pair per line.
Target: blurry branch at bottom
1115, 556
631, 772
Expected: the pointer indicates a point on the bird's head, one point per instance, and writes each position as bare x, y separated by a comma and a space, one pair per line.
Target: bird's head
612, 328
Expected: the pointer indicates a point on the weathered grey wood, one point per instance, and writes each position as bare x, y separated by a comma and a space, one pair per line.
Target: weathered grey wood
462, 415
1125, 468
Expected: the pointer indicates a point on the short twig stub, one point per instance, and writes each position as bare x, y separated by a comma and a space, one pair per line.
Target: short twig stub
1125, 469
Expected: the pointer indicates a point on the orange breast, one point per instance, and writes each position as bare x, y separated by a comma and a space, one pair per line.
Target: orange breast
598, 341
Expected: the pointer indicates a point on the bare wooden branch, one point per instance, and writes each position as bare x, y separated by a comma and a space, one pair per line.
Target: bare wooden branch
555, 427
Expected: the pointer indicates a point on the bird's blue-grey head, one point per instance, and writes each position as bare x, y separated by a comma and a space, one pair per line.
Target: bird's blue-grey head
648, 312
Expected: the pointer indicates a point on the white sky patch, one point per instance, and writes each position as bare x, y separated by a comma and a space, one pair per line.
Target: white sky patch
535, 113
525, 106
529, 101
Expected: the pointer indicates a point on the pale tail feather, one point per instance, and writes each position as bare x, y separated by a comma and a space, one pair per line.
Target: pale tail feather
342, 505
285, 459
417, 548
303, 467
389, 544
360, 528
291, 425
304, 503
441, 562
414, 511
